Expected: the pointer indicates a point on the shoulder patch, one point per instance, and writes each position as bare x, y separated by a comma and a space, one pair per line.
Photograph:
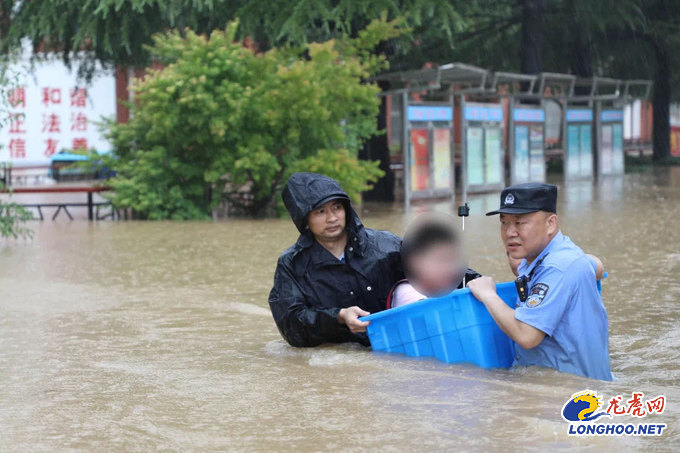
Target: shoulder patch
537, 294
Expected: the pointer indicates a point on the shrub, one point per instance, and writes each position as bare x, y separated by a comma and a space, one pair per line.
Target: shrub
222, 122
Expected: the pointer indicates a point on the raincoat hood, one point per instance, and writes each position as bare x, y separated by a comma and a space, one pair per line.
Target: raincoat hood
305, 192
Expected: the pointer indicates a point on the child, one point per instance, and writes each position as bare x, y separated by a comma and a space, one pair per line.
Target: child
433, 261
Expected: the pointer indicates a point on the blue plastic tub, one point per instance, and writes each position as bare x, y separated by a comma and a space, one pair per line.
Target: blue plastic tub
453, 328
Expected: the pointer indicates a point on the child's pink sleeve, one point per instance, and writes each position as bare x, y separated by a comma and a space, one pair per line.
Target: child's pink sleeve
404, 294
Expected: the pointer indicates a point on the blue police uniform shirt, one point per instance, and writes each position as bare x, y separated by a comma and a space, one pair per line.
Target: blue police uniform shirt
564, 303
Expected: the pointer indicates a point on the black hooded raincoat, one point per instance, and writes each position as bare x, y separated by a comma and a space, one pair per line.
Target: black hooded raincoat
311, 285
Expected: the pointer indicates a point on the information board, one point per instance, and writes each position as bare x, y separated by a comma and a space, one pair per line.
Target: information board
441, 158
521, 163
420, 160
51, 111
579, 153
492, 158
617, 148
610, 154
475, 156
586, 150
484, 147
573, 150
536, 154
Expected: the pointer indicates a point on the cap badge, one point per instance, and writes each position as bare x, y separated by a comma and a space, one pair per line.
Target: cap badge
509, 199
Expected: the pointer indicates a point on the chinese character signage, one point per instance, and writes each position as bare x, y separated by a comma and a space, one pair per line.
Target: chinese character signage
51, 111
482, 112
429, 113
579, 115
609, 116
526, 115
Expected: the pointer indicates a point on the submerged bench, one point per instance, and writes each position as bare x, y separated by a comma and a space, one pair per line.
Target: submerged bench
90, 204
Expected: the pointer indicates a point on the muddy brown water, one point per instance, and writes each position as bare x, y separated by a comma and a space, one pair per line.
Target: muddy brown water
134, 336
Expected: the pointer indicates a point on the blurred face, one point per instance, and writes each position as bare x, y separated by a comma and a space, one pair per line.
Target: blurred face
328, 221
437, 270
526, 235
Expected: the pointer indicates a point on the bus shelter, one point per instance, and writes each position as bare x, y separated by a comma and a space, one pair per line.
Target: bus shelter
609, 121
428, 130
461, 113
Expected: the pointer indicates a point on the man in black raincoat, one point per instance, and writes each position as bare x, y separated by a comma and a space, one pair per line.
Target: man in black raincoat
336, 272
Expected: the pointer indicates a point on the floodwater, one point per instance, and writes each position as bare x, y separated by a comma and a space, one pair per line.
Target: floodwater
157, 336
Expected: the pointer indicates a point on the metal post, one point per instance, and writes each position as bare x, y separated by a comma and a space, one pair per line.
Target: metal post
597, 142
623, 147
90, 214
504, 149
452, 143
463, 149
406, 147
565, 141
543, 134
430, 156
511, 139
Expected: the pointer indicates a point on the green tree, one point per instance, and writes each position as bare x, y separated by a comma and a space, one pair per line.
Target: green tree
115, 32
621, 38
118, 32
645, 47
221, 122
111, 32
629, 39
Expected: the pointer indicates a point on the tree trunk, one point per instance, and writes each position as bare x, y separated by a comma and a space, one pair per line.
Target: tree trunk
376, 148
661, 127
580, 60
531, 48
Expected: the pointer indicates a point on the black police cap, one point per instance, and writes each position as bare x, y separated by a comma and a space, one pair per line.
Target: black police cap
526, 198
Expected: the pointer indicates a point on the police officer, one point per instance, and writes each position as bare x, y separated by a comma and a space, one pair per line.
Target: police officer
559, 321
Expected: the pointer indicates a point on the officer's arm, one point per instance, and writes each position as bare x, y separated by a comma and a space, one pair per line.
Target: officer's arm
484, 289
299, 324
599, 267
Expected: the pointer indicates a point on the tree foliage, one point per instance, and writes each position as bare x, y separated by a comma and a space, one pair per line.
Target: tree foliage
221, 122
615, 38
119, 32
13, 218
12, 215
108, 31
